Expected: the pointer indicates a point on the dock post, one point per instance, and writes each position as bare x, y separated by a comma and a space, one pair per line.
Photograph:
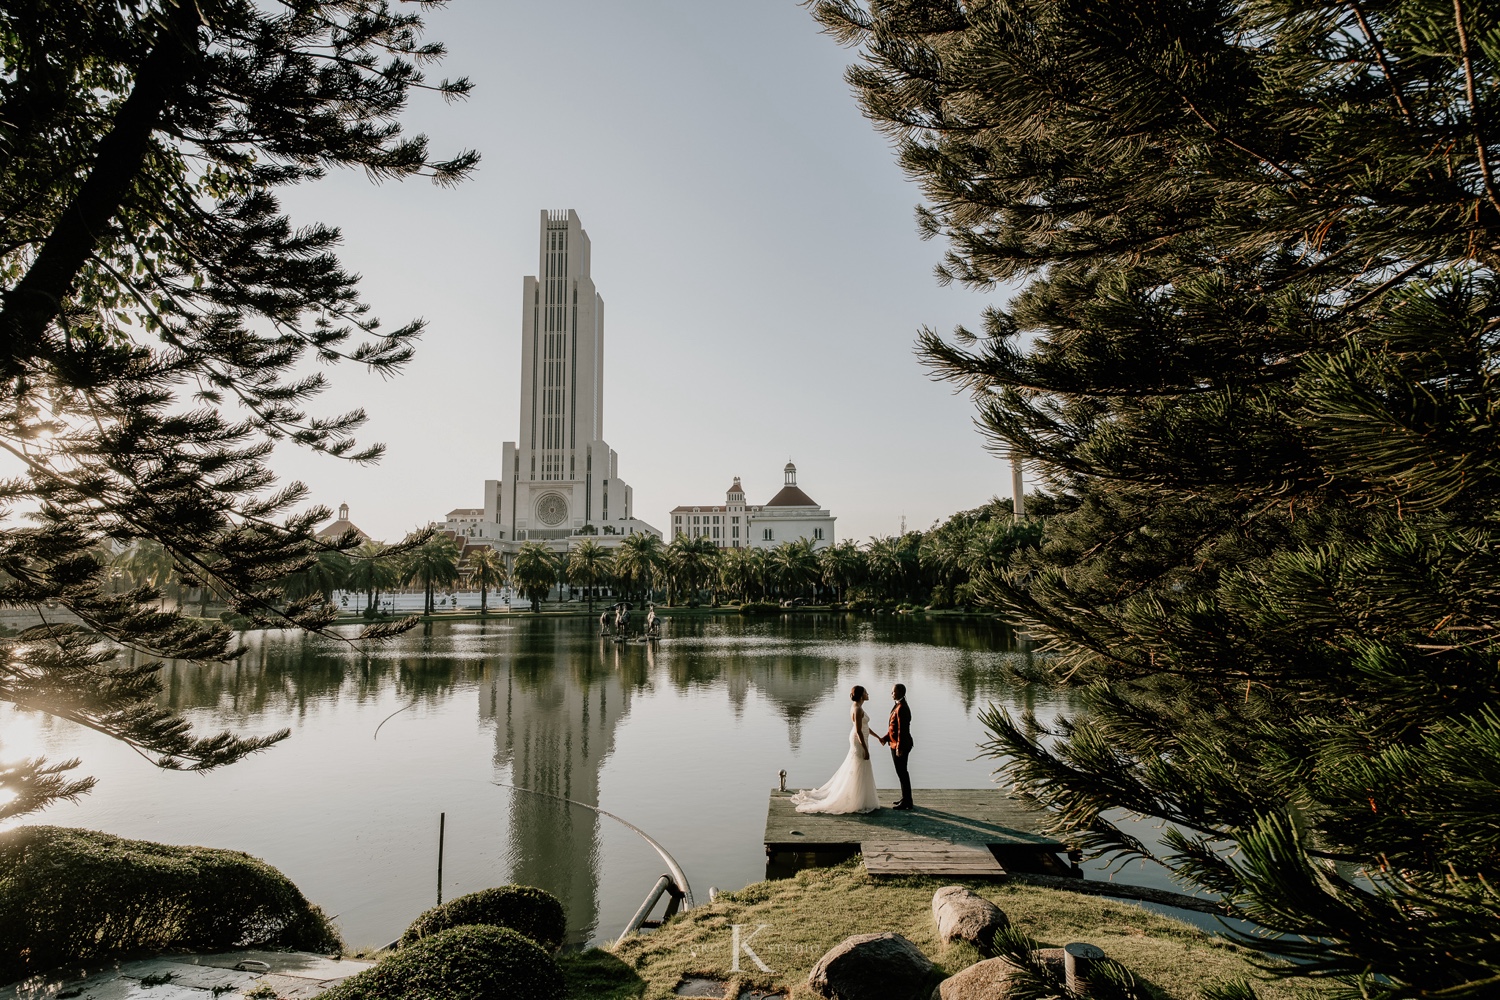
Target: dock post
1078, 961
442, 824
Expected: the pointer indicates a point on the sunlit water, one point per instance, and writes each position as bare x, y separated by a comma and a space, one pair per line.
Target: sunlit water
684, 739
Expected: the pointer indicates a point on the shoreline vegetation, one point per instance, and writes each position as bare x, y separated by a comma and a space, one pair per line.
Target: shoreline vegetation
813, 911
788, 924
704, 611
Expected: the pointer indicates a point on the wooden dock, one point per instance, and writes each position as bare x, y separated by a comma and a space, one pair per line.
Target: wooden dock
961, 832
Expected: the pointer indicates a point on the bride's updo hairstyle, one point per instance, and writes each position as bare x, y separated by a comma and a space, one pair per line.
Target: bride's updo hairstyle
858, 693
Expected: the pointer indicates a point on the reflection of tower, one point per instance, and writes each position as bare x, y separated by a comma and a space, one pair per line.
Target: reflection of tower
555, 707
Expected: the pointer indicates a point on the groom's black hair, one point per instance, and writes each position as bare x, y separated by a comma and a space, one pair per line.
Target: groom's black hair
900, 690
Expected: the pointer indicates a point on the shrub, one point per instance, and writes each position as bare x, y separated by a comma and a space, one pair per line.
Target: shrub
461, 963
760, 608
530, 912
69, 895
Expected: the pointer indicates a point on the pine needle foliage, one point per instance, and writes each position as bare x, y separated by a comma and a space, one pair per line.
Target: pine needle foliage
158, 316
1250, 353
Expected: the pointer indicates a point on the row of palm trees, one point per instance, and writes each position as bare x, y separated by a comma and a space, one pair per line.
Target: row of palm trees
934, 567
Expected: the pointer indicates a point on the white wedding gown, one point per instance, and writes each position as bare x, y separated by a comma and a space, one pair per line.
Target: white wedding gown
852, 787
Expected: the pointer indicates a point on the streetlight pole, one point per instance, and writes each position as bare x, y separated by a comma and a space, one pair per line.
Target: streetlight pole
1017, 487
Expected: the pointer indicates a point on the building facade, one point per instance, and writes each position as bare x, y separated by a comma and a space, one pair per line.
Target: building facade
789, 516
559, 480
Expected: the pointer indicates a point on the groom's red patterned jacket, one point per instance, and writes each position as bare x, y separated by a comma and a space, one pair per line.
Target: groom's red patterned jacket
898, 732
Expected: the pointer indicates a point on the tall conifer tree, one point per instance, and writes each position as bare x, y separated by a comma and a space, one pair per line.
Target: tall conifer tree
158, 312
1251, 356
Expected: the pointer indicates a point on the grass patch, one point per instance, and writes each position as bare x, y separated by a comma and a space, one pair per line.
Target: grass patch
806, 915
599, 975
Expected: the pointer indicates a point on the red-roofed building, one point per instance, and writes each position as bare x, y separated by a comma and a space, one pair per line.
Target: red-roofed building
337, 528
788, 516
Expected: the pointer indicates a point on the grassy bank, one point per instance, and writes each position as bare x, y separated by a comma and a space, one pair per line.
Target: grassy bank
807, 915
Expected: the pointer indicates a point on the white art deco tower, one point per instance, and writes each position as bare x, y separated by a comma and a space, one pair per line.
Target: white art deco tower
560, 477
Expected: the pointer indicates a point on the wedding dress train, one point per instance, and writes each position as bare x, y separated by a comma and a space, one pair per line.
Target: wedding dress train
852, 787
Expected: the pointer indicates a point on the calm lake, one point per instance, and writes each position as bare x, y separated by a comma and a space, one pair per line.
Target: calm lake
683, 739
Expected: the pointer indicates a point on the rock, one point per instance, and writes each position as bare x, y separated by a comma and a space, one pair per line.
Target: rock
992, 979
871, 967
962, 915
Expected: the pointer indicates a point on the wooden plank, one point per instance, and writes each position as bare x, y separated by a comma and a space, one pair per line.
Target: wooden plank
930, 857
953, 815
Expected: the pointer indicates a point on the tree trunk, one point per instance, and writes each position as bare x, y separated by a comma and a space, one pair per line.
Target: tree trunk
36, 300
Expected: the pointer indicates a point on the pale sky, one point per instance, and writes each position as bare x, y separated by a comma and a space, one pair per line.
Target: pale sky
753, 239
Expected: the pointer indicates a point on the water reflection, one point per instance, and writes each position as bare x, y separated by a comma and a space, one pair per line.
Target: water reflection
684, 738
555, 705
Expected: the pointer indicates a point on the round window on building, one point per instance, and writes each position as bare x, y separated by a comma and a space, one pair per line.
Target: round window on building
552, 509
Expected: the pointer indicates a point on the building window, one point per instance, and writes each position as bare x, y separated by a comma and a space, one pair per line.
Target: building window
817, 533
734, 520
734, 533
766, 536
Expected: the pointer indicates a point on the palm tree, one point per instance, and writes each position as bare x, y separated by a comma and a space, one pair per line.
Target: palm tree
734, 569
326, 574
639, 559
434, 563
588, 566
883, 560
486, 570
534, 572
794, 564
147, 563
944, 556
372, 571
840, 566
690, 561
758, 570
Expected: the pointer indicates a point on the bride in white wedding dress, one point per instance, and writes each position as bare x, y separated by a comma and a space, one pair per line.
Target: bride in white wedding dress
852, 787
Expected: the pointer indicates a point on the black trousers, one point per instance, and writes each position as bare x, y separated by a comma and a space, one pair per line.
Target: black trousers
899, 759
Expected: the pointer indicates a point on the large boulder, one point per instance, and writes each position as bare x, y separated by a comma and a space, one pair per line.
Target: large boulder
992, 979
962, 915
872, 967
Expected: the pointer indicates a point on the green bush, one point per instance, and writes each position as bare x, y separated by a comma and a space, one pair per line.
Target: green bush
460, 963
68, 895
760, 608
531, 912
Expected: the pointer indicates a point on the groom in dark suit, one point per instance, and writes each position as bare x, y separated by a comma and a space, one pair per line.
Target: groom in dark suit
898, 738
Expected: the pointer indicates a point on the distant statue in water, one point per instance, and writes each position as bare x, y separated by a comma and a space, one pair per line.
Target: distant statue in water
604, 622
622, 620
652, 622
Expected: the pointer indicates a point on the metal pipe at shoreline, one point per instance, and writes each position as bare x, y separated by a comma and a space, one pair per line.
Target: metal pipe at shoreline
664, 884
673, 867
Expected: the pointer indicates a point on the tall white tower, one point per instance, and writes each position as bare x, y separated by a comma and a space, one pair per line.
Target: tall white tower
560, 476
562, 353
